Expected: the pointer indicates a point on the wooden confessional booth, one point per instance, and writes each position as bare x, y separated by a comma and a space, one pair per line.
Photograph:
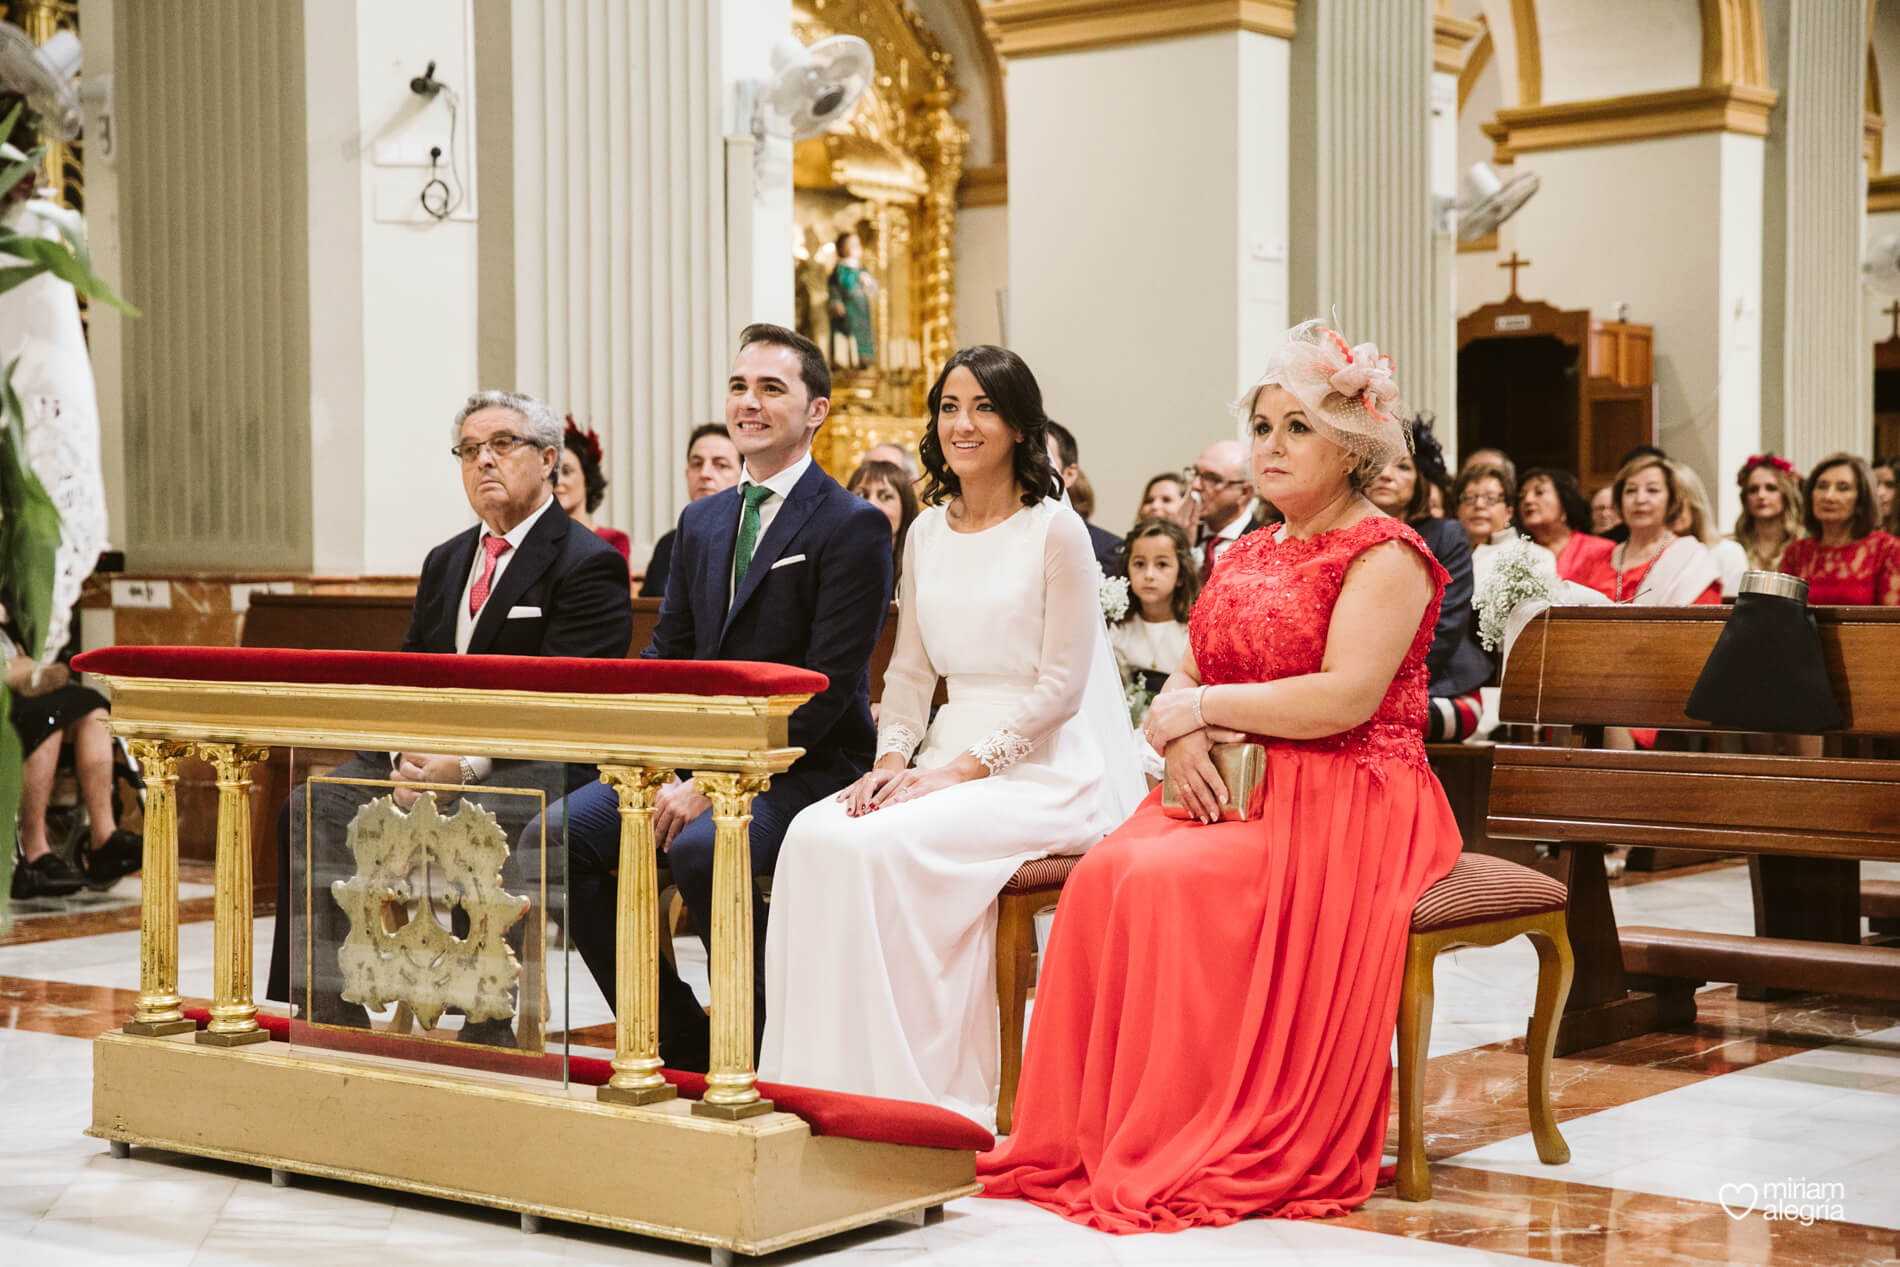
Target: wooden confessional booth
1555, 387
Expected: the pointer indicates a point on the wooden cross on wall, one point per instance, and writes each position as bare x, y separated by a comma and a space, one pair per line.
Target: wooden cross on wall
1893, 310
1515, 263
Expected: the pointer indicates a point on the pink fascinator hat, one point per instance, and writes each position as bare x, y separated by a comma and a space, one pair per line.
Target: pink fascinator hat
1348, 391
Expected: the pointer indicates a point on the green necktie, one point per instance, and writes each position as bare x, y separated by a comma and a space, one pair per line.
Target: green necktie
754, 494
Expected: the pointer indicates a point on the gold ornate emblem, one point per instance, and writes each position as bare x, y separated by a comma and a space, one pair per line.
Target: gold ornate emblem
399, 857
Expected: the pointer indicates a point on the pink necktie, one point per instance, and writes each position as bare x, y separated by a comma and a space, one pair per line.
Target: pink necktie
493, 548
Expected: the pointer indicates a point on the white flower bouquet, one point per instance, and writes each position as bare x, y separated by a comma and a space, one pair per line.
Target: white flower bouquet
1112, 593
1521, 572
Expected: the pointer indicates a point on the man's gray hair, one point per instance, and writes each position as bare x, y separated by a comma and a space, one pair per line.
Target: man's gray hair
538, 421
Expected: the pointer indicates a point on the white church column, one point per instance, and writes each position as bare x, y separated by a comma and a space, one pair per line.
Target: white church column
1361, 174
1818, 374
621, 195
1154, 115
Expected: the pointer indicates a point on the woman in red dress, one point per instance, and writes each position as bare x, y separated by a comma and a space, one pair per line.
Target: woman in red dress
579, 486
1213, 1027
1553, 512
1845, 559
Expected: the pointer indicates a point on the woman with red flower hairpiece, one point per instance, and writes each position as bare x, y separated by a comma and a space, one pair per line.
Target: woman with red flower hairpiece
1771, 510
1845, 558
1262, 1087
579, 486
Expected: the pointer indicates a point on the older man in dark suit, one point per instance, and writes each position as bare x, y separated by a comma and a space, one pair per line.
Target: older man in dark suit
523, 581
786, 567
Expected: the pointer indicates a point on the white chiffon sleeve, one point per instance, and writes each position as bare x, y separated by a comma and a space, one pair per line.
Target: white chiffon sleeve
1071, 630
910, 681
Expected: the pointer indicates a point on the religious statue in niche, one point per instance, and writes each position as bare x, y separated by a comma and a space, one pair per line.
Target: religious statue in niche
852, 293
399, 856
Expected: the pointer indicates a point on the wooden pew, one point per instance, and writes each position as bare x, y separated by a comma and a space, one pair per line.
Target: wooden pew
1807, 821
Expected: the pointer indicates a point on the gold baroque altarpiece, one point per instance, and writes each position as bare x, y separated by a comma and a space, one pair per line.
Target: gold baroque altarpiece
889, 175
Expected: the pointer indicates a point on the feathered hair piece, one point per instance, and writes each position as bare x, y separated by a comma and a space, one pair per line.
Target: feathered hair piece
1348, 391
1427, 454
581, 441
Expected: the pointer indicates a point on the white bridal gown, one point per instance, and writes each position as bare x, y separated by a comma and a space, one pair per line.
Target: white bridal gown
880, 959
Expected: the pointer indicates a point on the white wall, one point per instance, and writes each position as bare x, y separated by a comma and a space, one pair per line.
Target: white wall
982, 255
417, 314
1135, 291
1610, 48
1671, 227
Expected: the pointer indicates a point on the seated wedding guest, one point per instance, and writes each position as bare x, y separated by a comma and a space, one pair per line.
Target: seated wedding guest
1552, 512
1656, 566
1845, 558
48, 709
1456, 665
1697, 519
1619, 531
1491, 457
1771, 510
525, 580
1884, 472
886, 486
579, 485
1257, 1082
1891, 519
712, 466
1603, 513
1483, 496
1435, 500
1220, 508
1151, 637
897, 455
1064, 456
1162, 496
785, 568
1032, 755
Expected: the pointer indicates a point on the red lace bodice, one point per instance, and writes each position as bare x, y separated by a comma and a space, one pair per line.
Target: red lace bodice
1864, 573
1266, 613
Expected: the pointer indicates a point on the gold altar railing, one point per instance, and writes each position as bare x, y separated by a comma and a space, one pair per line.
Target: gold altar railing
733, 744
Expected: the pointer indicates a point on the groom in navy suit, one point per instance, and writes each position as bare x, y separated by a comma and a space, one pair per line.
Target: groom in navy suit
786, 567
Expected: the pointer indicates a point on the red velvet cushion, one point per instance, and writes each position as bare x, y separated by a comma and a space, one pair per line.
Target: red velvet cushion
1480, 889
470, 672
826, 1112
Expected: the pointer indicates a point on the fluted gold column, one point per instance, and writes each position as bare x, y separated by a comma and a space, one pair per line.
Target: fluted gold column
731, 1084
945, 140
636, 1078
233, 1013
157, 1008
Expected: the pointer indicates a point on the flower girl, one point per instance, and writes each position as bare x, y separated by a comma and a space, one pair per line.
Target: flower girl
1151, 635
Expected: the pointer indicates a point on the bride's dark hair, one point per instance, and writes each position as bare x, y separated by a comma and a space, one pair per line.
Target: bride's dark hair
1017, 399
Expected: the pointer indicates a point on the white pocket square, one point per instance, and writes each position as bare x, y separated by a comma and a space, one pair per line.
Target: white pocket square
785, 563
521, 613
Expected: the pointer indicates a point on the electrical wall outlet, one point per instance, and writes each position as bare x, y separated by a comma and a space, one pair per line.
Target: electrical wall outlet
411, 151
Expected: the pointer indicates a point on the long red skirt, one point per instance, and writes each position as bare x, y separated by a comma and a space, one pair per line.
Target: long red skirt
1212, 1032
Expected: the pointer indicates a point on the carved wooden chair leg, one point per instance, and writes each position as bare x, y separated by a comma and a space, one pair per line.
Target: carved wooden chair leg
1015, 943
1554, 968
1415, 1036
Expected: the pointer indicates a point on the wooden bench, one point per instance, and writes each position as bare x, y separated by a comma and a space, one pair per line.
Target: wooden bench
1806, 822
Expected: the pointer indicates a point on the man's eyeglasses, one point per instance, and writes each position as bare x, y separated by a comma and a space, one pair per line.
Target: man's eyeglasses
1208, 479
470, 451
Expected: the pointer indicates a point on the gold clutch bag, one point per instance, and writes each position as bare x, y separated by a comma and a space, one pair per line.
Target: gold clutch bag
1243, 772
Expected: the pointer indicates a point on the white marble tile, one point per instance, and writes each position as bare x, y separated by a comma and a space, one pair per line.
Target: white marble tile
1832, 1114
65, 1201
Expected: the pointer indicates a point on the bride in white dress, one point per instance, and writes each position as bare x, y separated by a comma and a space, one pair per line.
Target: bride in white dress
880, 970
